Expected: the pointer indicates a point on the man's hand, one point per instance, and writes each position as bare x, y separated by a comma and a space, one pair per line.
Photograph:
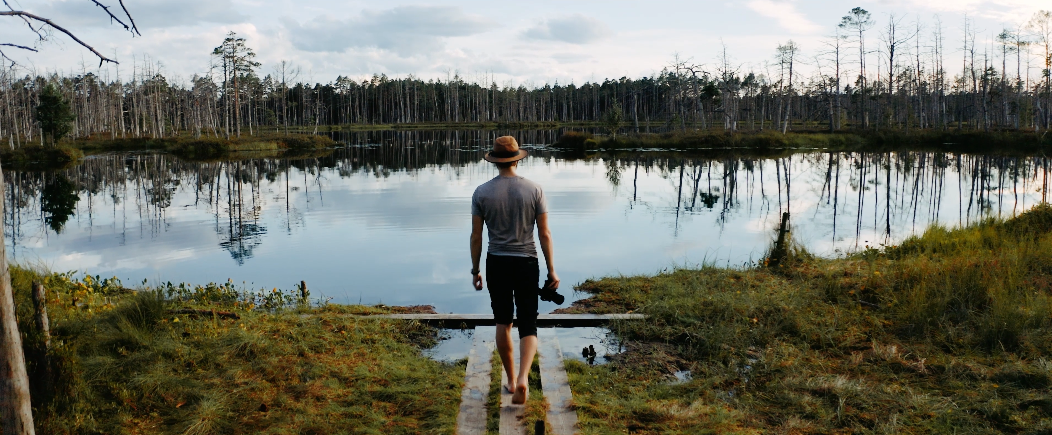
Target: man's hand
553, 281
477, 281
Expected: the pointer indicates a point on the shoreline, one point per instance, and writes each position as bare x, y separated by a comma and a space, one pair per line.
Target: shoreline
947, 330
576, 144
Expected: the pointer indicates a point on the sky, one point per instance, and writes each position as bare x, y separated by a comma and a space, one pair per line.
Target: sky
527, 42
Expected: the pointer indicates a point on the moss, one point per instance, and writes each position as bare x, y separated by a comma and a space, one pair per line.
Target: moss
37, 157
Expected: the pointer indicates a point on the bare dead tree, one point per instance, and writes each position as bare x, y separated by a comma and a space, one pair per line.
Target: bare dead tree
858, 21
15, 406
892, 42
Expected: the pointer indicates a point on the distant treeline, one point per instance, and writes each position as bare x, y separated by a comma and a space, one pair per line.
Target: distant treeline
1002, 83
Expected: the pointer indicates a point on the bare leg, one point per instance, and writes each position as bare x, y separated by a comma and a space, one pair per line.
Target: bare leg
507, 354
527, 349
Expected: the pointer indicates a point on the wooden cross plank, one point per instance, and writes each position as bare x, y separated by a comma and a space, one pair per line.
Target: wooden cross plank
555, 384
543, 320
472, 417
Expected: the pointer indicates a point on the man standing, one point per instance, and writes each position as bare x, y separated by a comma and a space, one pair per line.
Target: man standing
509, 205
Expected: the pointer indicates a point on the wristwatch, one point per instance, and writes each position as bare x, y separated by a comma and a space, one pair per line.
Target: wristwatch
475, 272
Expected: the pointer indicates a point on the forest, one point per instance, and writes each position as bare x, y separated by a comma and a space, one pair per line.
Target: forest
870, 74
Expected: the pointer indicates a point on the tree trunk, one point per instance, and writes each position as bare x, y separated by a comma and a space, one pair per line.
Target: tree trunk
15, 408
40, 303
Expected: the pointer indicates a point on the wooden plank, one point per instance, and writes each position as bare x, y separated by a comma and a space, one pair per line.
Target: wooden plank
555, 384
471, 420
543, 320
510, 424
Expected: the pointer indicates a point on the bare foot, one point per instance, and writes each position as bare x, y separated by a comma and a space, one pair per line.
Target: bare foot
521, 393
509, 388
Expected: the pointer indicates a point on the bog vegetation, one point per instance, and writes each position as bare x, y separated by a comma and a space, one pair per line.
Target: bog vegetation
947, 332
220, 359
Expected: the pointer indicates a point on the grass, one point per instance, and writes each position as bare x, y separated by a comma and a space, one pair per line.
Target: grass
38, 157
948, 332
127, 361
210, 147
70, 152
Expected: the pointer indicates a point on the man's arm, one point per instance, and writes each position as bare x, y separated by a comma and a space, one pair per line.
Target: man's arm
545, 235
476, 250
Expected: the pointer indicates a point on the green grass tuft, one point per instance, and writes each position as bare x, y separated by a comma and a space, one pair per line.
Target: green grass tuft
947, 332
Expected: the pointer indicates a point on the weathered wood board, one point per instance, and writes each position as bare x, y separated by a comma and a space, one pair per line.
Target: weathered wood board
472, 417
510, 412
543, 320
555, 384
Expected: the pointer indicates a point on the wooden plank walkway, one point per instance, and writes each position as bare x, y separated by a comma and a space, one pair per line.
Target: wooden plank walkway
510, 412
543, 320
555, 384
472, 417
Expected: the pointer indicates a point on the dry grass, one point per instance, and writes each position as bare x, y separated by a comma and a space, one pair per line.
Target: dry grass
122, 362
947, 332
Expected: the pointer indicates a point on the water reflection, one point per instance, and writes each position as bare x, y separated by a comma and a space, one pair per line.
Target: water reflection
57, 201
388, 222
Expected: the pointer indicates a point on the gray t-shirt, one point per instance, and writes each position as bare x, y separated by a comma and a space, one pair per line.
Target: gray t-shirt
510, 206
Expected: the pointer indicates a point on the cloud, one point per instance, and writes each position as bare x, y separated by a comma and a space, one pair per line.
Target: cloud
1009, 11
574, 29
405, 30
785, 14
148, 14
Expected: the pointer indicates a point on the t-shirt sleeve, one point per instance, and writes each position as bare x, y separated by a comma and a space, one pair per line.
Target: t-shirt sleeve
541, 206
476, 207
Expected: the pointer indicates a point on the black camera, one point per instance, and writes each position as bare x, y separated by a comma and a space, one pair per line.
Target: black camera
548, 294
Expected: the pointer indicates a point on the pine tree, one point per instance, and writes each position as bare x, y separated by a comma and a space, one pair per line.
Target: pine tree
54, 115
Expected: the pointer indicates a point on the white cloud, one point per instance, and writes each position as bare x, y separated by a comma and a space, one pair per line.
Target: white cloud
574, 29
1009, 11
785, 14
405, 30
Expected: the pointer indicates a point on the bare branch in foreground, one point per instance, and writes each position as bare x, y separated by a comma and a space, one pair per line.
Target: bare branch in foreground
134, 27
9, 59
112, 17
28, 23
27, 15
5, 44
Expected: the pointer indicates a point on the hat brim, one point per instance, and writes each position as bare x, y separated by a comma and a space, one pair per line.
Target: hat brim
489, 158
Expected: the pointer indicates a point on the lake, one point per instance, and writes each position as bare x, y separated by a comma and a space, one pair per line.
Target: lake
385, 218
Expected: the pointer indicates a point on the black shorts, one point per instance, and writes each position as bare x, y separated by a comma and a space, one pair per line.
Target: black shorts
512, 283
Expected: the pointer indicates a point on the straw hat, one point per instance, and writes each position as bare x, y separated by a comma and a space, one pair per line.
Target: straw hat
505, 149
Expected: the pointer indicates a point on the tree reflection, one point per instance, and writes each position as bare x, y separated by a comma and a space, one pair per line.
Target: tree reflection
883, 194
58, 201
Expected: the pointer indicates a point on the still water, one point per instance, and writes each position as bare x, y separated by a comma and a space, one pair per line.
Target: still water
388, 221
